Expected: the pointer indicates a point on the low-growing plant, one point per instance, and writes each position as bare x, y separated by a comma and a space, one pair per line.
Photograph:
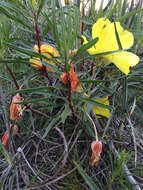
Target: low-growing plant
70, 95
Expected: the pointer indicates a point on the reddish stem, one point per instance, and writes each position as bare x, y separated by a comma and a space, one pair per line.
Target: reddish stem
70, 102
46, 75
13, 76
39, 45
37, 33
92, 65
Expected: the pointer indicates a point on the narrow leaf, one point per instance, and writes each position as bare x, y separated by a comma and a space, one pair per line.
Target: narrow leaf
93, 102
86, 46
117, 37
130, 14
42, 3
86, 177
5, 153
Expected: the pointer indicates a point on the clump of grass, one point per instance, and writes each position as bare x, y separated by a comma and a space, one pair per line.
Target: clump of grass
55, 117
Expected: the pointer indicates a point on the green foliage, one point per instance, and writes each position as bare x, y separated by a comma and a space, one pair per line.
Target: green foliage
55, 128
88, 180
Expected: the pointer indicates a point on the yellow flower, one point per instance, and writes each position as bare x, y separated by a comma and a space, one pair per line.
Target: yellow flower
66, 1
100, 110
48, 51
105, 31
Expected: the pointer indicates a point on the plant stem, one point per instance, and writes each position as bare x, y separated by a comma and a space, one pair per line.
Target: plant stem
95, 130
13, 76
17, 86
37, 34
39, 45
69, 100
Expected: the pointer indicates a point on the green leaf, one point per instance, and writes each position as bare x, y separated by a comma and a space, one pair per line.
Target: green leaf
51, 124
2, 77
100, 11
93, 102
14, 9
42, 3
36, 100
31, 90
86, 46
86, 177
5, 153
113, 8
15, 18
66, 112
55, 28
54, 68
20, 4
37, 55
25, 51
17, 60
117, 37
47, 26
121, 19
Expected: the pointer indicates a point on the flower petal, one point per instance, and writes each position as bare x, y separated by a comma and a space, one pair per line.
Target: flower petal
5, 136
36, 63
48, 51
5, 140
91, 50
73, 79
100, 110
99, 26
109, 40
105, 31
123, 60
16, 109
96, 147
64, 78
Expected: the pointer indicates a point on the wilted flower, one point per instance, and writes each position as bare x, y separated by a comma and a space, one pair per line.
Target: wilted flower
96, 147
72, 52
100, 110
105, 31
48, 51
64, 77
5, 136
16, 109
71, 77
